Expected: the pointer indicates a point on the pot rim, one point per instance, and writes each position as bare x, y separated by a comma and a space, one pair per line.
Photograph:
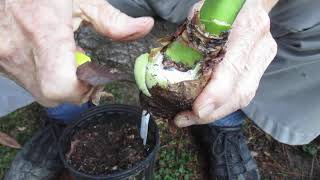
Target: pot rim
125, 173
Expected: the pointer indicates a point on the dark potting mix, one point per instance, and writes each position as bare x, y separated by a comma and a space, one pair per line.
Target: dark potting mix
102, 149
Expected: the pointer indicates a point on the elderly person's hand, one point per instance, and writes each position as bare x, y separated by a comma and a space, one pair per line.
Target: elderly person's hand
37, 46
250, 49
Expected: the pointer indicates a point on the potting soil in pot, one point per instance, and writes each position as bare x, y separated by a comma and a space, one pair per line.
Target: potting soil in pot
102, 149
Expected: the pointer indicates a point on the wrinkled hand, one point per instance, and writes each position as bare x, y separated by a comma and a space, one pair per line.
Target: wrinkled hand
250, 49
37, 45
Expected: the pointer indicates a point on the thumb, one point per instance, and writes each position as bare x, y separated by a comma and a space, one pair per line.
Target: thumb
214, 95
185, 119
111, 22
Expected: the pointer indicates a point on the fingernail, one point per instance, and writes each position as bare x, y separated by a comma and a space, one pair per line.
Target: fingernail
206, 110
184, 121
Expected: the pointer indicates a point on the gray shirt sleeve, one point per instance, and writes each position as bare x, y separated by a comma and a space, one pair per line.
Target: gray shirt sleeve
174, 11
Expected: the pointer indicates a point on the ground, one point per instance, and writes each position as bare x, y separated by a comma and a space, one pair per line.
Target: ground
179, 156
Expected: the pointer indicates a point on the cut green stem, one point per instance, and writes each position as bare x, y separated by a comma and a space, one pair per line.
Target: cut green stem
218, 15
180, 52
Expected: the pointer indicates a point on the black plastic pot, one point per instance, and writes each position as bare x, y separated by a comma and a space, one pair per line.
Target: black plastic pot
142, 170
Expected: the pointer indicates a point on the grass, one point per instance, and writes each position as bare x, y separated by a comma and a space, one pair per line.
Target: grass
20, 124
174, 166
311, 149
178, 157
281, 161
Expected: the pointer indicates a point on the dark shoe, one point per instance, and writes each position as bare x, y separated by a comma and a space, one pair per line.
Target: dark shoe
38, 159
229, 156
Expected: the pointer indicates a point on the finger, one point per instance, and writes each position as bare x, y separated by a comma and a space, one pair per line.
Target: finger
79, 49
216, 92
111, 22
56, 66
263, 55
189, 118
224, 110
251, 25
185, 119
76, 22
260, 59
196, 7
